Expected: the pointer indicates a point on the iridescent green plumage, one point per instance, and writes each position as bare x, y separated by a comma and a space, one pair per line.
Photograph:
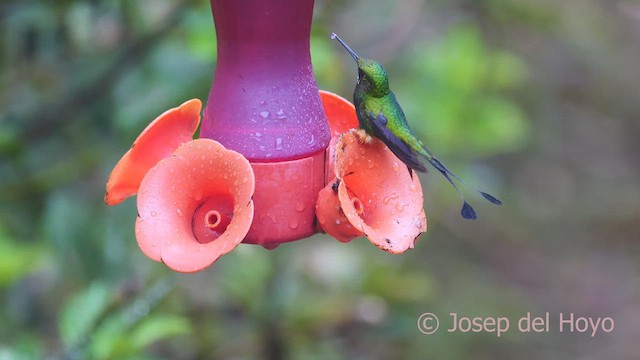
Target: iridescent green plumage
380, 115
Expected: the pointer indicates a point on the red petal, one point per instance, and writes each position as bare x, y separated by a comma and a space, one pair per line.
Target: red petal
195, 206
388, 205
330, 216
341, 114
156, 142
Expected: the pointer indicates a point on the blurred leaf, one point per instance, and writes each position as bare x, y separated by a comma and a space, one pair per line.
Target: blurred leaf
115, 340
244, 273
201, 37
16, 260
108, 338
508, 70
460, 83
26, 348
82, 312
158, 327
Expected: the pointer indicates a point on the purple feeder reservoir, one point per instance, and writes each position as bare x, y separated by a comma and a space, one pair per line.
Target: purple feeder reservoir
264, 103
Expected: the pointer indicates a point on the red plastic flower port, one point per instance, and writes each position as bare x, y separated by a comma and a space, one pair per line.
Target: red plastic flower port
195, 206
373, 193
156, 142
194, 201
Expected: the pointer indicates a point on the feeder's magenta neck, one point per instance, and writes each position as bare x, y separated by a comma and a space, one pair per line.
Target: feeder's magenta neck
264, 100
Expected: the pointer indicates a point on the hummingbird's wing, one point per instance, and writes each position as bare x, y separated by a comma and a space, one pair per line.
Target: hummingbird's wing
395, 144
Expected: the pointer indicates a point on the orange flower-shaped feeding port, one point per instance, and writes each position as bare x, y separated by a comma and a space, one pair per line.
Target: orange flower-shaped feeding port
341, 115
157, 141
195, 206
377, 194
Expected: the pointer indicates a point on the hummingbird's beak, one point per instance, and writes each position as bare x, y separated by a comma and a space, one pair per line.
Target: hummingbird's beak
353, 54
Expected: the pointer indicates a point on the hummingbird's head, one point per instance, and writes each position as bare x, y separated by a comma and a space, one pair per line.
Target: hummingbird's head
371, 75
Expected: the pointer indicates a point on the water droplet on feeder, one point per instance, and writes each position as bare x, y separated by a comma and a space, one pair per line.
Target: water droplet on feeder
300, 206
154, 213
264, 114
294, 224
390, 198
400, 206
280, 114
279, 144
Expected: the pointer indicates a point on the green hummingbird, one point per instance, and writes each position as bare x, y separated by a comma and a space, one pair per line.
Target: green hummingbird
380, 115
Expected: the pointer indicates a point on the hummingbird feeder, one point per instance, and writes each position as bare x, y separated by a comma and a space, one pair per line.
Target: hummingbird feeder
276, 160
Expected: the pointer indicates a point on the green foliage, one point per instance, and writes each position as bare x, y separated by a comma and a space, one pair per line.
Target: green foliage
17, 260
82, 312
457, 99
115, 339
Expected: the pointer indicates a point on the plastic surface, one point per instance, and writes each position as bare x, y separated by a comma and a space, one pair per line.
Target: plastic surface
285, 198
195, 206
264, 100
157, 141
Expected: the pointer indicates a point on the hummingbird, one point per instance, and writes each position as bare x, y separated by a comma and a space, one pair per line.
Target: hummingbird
380, 116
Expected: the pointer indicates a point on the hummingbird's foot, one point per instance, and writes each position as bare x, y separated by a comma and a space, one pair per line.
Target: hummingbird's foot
362, 135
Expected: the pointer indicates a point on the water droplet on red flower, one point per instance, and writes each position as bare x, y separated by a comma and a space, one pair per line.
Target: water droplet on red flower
401, 205
389, 198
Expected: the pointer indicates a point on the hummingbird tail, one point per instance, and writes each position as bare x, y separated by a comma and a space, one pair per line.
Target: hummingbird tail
467, 211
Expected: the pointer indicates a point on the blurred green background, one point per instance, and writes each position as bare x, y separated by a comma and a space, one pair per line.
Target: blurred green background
535, 101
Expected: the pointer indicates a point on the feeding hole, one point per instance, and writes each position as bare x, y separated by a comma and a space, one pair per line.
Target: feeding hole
357, 205
212, 219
